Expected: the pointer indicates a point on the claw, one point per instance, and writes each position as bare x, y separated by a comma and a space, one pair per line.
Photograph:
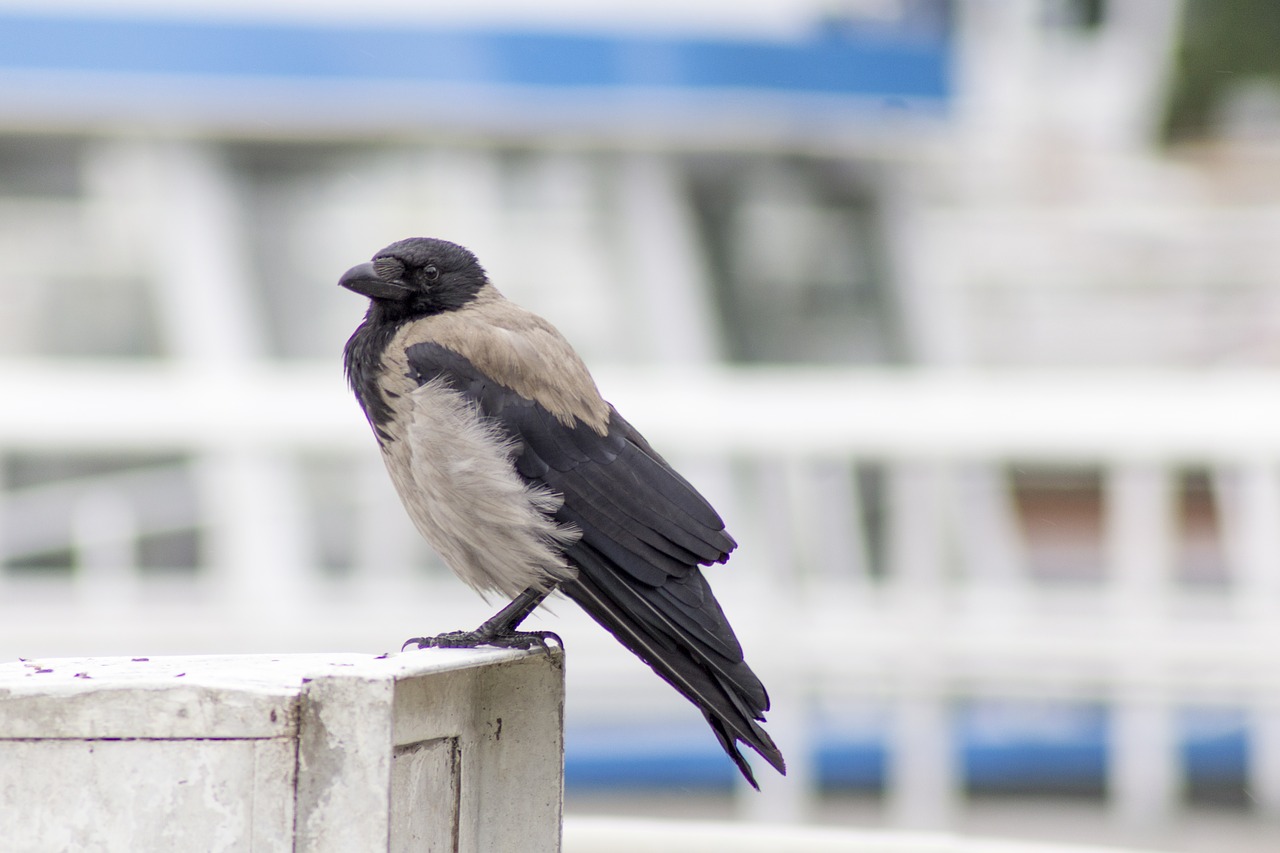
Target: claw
498, 631
473, 639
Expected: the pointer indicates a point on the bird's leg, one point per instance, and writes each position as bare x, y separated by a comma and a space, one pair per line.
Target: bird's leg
499, 631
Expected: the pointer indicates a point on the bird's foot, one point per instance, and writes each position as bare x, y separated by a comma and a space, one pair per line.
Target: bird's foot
473, 639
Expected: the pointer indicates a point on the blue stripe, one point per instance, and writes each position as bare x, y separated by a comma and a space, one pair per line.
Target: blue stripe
1002, 747
850, 64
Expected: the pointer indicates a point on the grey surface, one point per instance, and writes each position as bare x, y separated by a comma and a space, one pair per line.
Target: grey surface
286, 752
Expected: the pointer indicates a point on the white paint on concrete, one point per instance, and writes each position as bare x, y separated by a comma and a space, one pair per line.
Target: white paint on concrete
284, 752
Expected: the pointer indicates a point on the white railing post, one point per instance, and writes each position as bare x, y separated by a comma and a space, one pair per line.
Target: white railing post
1249, 497
448, 750
1264, 758
104, 532
1143, 772
1139, 506
924, 778
988, 538
1250, 501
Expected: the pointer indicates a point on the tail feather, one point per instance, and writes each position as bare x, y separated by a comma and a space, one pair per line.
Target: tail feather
731, 748
725, 690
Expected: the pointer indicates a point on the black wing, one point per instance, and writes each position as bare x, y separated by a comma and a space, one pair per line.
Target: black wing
645, 531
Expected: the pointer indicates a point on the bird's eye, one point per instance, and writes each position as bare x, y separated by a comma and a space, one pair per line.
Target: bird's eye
431, 273
388, 269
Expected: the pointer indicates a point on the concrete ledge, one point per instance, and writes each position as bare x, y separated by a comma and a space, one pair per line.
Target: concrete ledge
431, 750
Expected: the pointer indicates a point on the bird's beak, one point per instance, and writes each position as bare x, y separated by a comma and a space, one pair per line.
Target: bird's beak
364, 279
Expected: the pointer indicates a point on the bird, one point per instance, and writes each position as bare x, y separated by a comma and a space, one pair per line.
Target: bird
526, 481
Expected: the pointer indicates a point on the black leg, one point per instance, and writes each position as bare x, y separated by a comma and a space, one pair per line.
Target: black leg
498, 631
506, 620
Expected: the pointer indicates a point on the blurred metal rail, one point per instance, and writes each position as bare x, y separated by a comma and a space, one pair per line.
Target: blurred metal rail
1201, 416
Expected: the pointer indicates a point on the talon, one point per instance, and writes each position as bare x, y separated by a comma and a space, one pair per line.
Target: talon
543, 636
474, 639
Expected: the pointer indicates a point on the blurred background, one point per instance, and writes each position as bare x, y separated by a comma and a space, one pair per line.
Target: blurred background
966, 313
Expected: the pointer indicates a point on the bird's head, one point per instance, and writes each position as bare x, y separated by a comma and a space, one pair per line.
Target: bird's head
417, 277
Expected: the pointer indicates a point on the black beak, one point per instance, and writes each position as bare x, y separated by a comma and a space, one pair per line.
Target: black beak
364, 279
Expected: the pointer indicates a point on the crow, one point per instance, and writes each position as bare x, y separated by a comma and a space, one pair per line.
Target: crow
525, 481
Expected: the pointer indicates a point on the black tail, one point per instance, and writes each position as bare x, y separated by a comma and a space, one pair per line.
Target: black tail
679, 630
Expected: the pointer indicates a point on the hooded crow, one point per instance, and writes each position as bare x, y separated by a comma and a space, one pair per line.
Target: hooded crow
526, 481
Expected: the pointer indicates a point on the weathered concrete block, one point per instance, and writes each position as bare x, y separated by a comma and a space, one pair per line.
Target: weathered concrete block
440, 750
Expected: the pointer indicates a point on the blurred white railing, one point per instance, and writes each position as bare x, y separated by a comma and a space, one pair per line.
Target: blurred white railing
1202, 416
952, 611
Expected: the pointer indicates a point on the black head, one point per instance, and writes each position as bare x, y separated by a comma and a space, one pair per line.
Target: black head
416, 277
